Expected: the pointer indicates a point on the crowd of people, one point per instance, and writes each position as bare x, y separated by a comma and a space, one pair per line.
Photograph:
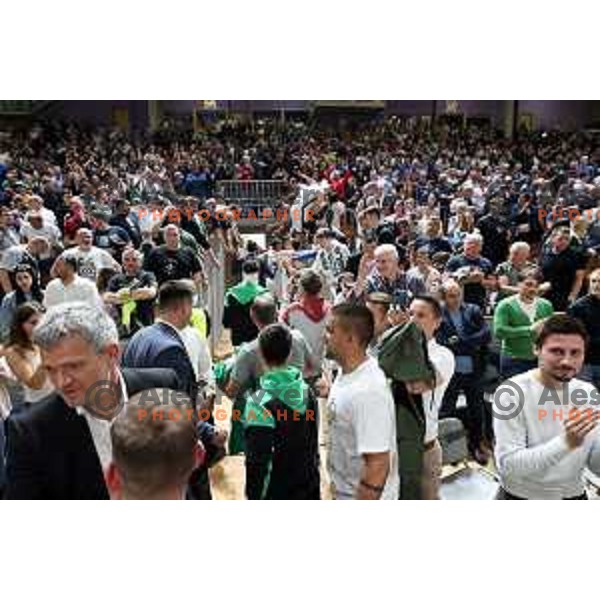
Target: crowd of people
467, 258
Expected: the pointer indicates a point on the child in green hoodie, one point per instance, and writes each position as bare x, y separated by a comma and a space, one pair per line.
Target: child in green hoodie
281, 435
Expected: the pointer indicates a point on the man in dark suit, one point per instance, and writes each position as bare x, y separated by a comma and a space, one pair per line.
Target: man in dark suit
160, 345
60, 448
465, 332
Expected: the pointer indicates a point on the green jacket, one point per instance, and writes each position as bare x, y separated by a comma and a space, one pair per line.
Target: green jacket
514, 329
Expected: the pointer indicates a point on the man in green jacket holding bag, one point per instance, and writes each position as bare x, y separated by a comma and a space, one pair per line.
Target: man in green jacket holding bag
515, 320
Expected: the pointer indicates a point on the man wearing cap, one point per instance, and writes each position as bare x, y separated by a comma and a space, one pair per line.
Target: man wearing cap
128, 221
111, 238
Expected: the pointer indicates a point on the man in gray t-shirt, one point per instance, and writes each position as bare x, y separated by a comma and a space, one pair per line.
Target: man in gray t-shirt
247, 367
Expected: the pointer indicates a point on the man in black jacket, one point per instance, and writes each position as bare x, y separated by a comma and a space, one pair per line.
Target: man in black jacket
465, 332
160, 345
587, 310
60, 448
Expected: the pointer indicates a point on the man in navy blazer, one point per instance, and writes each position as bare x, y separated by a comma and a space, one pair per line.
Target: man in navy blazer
160, 345
60, 448
465, 332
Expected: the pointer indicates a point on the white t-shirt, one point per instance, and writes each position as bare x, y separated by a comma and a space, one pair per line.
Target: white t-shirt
91, 262
79, 290
532, 455
529, 308
48, 217
48, 231
362, 420
443, 361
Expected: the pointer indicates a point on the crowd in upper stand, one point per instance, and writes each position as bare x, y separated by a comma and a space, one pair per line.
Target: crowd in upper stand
500, 233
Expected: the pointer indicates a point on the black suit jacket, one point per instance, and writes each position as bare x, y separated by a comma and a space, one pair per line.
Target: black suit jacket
160, 345
50, 450
475, 338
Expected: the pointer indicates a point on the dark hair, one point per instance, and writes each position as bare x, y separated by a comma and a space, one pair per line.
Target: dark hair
356, 319
36, 293
311, 282
264, 309
103, 278
17, 336
250, 266
369, 237
172, 293
560, 325
70, 260
432, 302
275, 343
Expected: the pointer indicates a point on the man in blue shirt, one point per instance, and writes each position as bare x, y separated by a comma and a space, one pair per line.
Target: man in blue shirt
471, 269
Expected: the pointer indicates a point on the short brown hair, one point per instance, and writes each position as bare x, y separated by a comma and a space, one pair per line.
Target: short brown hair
154, 439
356, 319
311, 282
172, 293
560, 325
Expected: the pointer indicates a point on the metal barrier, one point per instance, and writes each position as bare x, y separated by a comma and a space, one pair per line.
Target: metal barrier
255, 194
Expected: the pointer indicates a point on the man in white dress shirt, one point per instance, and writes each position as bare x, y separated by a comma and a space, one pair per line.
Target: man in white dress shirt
546, 420
426, 312
60, 447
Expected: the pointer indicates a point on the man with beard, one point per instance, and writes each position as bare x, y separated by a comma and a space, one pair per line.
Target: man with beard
542, 450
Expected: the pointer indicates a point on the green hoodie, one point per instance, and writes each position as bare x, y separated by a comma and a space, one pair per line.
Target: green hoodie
287, 385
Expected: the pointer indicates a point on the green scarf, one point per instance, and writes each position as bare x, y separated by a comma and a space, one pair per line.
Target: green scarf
245, 292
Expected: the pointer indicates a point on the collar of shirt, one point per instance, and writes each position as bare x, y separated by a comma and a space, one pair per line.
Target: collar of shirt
83, 412
100, 428
159, 320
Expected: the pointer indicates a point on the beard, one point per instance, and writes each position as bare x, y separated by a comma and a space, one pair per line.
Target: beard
563, 375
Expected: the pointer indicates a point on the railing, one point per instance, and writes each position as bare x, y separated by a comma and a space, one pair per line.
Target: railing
256, 194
